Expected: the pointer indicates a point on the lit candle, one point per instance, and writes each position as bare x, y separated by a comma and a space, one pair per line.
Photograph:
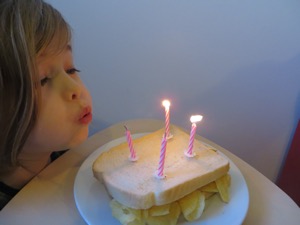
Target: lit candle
194, 120
166, 104
160, 171
132, 156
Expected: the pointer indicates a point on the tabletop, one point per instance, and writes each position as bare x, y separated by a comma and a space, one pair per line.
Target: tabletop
49, 197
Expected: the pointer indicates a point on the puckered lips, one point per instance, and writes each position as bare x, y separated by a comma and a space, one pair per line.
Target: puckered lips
86, 115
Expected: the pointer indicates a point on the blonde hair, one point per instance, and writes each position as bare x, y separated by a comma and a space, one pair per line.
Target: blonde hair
27, 28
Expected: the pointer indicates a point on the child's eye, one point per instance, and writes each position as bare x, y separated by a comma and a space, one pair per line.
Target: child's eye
44, 81
72, 71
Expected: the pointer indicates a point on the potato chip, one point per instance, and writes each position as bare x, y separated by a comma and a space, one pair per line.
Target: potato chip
211, 187
126, 215
159, 210
145, 214
207, 195
170, 219
188, 203
223, 185
192, 205
199, 209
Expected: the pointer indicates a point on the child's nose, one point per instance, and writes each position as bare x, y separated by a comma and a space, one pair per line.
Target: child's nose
73, 90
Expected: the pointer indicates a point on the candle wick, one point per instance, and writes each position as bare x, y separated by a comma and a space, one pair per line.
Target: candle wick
125, 127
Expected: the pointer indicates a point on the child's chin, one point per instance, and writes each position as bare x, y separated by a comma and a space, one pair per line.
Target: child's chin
78, 140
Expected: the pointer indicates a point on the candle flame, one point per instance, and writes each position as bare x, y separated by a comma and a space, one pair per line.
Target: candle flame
196, 118
166, 103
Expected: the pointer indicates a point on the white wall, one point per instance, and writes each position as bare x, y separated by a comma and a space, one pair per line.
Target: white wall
235, 62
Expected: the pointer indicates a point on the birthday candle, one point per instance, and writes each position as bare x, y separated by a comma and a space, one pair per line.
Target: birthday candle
166, 104
132, 156
160, 170
194, 120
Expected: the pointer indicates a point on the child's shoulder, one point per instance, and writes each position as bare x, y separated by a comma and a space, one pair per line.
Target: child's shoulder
6, 194
57, 154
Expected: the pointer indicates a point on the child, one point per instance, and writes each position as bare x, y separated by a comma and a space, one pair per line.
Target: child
44, 106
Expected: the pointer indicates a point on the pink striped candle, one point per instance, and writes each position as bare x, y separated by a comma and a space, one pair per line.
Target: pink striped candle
194, 120
132, 156
166, 104
160, 171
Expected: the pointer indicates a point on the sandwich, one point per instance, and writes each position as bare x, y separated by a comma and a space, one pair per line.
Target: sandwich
139, 197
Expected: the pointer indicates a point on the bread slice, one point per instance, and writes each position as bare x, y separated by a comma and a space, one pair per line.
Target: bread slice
134, 184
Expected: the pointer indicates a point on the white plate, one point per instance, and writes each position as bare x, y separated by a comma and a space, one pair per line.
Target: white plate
92, 199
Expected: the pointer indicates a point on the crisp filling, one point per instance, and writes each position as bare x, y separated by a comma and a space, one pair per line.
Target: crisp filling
191, 206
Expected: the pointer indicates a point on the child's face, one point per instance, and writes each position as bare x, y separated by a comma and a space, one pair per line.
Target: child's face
66, 105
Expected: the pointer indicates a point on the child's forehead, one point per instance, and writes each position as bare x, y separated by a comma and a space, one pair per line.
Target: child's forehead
51, 51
